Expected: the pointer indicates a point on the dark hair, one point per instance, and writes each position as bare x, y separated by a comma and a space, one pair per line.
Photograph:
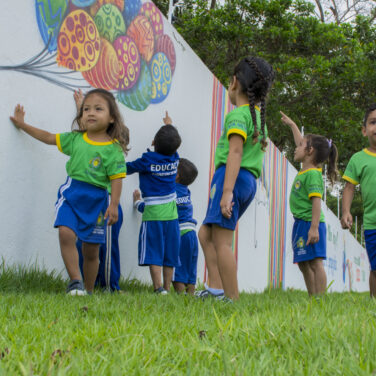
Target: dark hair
167, 140
324, 150
116, 130
256, 77
370, 109
187, 172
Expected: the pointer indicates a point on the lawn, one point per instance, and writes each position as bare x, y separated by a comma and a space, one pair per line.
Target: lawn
45, 332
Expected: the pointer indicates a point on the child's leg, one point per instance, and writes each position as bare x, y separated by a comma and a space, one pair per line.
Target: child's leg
179, 287
168, 271
190, 289
222, 240
319, 275
205, 237
309, 277
90, 253
155, 273
372, 283
67, 239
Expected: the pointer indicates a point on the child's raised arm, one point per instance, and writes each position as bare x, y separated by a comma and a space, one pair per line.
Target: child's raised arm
167, 120
18, 119
78, 97
294, 128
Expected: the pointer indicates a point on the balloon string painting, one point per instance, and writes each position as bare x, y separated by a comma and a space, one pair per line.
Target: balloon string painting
117, 45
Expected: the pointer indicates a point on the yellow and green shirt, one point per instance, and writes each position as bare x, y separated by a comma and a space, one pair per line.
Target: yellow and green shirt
93, 162
239, 121
361, 169
307, 184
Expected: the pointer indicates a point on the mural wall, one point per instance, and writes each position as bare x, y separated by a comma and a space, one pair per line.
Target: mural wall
50, 48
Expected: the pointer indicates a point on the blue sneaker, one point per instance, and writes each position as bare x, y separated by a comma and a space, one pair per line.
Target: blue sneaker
76, 288
224, 299
203, 294
161, 291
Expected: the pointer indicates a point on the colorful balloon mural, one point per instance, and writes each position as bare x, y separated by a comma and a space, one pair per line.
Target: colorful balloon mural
117, 45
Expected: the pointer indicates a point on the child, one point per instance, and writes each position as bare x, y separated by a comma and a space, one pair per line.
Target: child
362, 170
109, 254
309, 231
184, 278
96, 160
238, 163
159, 238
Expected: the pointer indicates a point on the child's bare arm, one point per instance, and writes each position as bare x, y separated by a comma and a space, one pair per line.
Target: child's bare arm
18, 119
294, 128
78, 99
234, 159
112, 212
313, 233
347, 197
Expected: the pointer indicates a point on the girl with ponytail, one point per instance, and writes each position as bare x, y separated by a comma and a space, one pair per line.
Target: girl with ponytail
238, 162
309, 230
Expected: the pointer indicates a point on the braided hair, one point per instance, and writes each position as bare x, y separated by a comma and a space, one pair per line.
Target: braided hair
256, 77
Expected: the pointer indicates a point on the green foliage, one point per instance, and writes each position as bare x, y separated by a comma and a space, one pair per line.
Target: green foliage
138, 333
325, 72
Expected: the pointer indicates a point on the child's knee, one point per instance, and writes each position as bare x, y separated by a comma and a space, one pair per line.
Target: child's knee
316, 264
66, 235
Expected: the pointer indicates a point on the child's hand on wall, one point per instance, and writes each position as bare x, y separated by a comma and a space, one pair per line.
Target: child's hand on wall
18, 119
167, 120
78, 98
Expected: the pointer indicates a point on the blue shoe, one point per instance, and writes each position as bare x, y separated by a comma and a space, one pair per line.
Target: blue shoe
76, 288
224, 299
161, 291
203, 294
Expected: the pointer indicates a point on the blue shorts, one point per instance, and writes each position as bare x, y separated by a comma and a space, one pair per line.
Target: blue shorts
81, 207
159, 243
302, 252
244, 192
370, 238
187, 272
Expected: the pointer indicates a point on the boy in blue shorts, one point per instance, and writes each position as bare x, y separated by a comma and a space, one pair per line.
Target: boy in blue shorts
362, 170
159, 238
184, 279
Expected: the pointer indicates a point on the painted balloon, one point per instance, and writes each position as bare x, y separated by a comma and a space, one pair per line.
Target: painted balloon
129, 60
105, 73
138, 98
131, 9
83, 3
154, 15
78, 42
110, 23
141, 31
161, 77
50, 15
95, 7
164, 44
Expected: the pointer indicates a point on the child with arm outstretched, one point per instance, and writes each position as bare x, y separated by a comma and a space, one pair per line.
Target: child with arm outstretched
238, 162
109, 252
362, 170
96, 160
309, 231
159, 238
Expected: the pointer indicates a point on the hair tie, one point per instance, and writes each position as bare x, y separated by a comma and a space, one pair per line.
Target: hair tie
329, 143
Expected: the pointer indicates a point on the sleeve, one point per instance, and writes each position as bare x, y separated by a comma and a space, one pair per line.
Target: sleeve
116, 168
139, 165
64, 142
235, 123
139, 205
351, 173
315, 184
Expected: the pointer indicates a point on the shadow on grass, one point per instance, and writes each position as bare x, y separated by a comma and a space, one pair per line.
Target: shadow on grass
33, 278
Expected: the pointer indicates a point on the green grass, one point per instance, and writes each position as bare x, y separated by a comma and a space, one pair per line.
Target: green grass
45, 332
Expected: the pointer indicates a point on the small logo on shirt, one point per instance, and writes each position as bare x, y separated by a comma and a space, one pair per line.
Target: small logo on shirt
95, 162
297, 185
100, 220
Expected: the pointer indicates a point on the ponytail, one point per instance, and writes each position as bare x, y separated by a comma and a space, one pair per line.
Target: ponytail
332, 162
